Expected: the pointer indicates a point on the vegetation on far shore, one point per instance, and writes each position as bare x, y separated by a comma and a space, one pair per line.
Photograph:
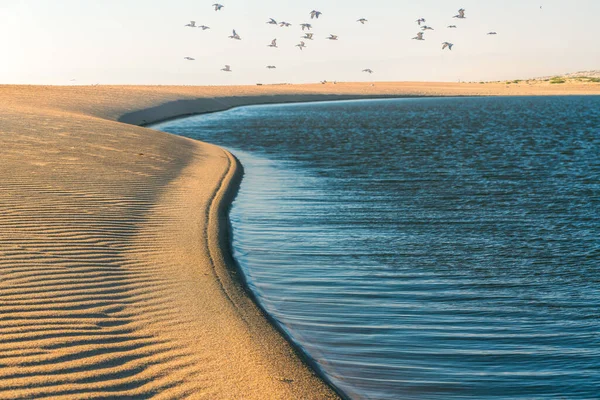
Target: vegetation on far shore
555, 80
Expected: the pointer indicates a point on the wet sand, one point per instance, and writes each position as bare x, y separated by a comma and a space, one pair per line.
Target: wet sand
115, 280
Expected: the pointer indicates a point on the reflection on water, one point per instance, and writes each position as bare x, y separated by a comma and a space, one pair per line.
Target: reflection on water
425, 248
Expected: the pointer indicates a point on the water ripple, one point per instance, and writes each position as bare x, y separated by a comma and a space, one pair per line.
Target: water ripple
426, 248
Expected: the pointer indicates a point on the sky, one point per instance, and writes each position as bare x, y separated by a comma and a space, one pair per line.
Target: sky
65, 42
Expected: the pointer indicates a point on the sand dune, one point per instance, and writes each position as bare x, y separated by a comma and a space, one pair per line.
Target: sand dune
113, 278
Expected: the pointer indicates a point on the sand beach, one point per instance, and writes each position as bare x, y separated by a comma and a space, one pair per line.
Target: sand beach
115, 275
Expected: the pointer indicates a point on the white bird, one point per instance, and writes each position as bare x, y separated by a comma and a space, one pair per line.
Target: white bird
235, 36
306, 26
189, 58
273, 43
271, 67
284, 24
192, 24
419, 36
308, 36
315, 14
426, 28
492, 33
452, 26
448, 45
218, 6
204, 27
461, 14
332, 37
368, 70
272, 21
227, 68
420, 20
362, 20
301, 46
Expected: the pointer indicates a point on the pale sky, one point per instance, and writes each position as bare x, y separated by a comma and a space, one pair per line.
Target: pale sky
145, 41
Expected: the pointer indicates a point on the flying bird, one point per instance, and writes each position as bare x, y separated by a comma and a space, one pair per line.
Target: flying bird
332, 37
271, 67
189, 58
362, 20
272, 21
461, 14
492, 33
218, 6
192, 24
420, 20
227, 68
286, 24
448, 45
273, 43
301, 45
308, 36
235, 36
426, 28
306, 26
204, 27
419, 36
368, 70
315, 14
452, 26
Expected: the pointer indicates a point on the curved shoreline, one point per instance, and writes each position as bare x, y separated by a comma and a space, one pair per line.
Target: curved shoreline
230, 274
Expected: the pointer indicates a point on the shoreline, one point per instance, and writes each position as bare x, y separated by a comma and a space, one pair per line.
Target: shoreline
172, 111
230, 271
118, 252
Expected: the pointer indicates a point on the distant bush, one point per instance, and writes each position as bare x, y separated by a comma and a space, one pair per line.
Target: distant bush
588, 79
517, 81
557, 80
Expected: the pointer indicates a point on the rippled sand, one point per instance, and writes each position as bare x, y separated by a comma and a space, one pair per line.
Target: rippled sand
113, 282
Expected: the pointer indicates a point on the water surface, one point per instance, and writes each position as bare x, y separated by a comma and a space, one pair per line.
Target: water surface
425, 248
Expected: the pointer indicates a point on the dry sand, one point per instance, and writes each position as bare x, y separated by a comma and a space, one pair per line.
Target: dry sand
114, 281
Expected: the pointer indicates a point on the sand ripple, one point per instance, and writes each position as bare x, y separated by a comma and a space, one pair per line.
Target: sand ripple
108, 287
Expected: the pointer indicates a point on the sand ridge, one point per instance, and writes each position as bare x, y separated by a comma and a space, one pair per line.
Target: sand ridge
114, 275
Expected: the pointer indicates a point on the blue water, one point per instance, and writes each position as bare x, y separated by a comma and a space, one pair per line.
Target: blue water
425, 248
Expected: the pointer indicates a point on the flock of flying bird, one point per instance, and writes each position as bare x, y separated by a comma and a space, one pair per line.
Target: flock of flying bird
445, 45
306, 27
